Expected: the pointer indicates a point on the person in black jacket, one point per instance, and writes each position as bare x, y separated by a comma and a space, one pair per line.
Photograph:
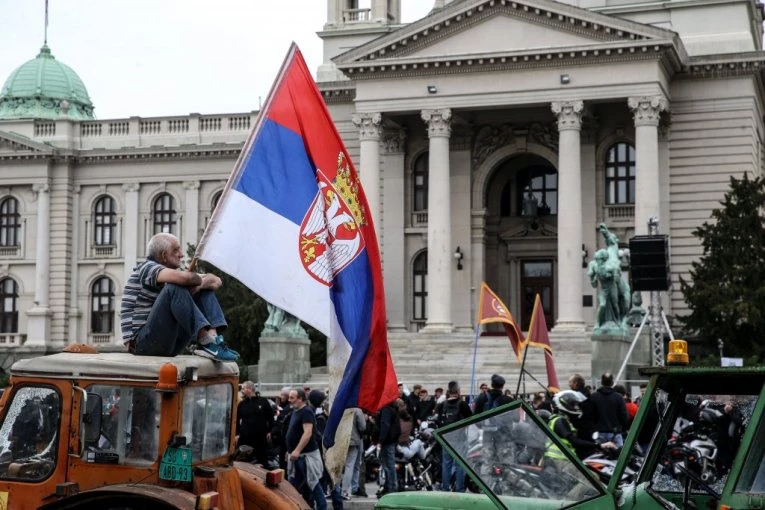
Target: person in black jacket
611, 418
496, 446
389, 431
452, 410
254, 421
585, 424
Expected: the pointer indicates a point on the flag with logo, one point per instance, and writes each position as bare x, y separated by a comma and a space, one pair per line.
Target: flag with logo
538, 336
294, 226
491, 309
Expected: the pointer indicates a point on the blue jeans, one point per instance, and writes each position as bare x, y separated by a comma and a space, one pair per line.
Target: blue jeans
299, 481
352, 468
447, 464
604, 437
388, 463
175, 320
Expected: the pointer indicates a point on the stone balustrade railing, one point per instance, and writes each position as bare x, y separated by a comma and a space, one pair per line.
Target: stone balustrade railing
141, 131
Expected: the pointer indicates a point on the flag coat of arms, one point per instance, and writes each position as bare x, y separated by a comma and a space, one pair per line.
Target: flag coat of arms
294, 226
491, 309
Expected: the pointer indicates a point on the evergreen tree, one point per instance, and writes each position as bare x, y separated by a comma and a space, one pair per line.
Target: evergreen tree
246, 313
726, 294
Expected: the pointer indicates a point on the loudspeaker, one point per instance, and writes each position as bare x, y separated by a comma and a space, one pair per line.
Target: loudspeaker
649, 263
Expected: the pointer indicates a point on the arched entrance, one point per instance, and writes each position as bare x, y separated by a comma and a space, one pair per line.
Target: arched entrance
521, 200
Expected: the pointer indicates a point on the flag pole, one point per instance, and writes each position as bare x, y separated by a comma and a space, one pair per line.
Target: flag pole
523, 369
475, 355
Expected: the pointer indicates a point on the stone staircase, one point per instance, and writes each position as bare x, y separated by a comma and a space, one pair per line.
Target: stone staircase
434, 360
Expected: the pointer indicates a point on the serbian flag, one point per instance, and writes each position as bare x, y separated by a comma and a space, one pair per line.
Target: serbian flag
294, 226
539, 337
492, 309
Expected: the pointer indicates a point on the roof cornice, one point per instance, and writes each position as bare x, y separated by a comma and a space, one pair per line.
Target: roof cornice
523, 59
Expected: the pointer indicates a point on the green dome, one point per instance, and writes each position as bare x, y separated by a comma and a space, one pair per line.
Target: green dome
44, 88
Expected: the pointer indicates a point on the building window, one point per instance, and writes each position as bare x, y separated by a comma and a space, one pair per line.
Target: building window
620, 174
420, 184
164, 214
10, 222
104, 221
216, 200
542, 182
9, 315
102, 309
420, 287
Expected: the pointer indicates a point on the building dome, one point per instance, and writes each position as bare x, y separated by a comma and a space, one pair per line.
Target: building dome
44, 88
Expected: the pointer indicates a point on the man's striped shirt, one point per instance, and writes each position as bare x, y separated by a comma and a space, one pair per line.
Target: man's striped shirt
140, 293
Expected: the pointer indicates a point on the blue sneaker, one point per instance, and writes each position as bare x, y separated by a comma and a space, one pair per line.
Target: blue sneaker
217, 352
219, 341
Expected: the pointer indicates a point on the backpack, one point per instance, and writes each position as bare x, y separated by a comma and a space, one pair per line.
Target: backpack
491, 402
450, 412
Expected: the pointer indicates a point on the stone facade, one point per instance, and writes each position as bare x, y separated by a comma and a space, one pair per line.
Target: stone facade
609, 112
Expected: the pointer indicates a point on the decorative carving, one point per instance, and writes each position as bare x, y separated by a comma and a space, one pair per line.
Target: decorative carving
191, 185
490, 138
647, 109
41, 187
394, 140
438, 121
131, 187
569, 114
369, 125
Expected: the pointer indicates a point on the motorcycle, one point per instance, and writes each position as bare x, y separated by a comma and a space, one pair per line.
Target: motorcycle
416, 464
693, 447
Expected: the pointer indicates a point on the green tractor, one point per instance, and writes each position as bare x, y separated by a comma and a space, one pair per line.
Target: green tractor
697, 441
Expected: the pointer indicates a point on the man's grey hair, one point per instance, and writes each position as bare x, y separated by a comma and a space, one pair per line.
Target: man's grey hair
249, 385
159, 244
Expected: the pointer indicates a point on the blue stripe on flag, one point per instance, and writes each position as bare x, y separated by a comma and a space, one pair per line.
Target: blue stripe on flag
278, 167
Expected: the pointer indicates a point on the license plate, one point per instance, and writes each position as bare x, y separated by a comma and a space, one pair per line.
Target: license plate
176, 464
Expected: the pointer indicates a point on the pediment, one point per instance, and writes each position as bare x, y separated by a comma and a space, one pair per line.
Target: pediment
489, 28
13, 143
502, 33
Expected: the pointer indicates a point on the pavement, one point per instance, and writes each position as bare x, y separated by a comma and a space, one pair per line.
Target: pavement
358, 503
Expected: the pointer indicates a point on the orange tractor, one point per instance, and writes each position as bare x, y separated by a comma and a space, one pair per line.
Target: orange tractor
116, 431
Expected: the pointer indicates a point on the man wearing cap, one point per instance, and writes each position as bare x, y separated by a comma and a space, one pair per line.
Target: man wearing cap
497, 446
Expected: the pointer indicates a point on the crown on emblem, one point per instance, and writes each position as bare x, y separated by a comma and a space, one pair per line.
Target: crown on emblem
348, 187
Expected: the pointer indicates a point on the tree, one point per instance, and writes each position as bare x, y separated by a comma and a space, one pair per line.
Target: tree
246, 313
726, 294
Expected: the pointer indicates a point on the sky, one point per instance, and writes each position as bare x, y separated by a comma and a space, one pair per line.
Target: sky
170, 57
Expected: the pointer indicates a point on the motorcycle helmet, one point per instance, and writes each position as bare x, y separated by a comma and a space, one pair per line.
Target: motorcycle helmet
568, 402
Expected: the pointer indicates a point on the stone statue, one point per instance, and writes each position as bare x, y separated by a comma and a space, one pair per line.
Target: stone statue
282, 324
614, 294
637, 312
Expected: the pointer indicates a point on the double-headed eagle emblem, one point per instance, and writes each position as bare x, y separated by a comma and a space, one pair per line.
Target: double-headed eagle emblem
330, 236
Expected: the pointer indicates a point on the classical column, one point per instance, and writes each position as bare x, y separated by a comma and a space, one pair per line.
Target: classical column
394, 221
369, 160
130, 229
42, 256
569, 115
646, 110
74, 276
191, 234
440, 259
38, 327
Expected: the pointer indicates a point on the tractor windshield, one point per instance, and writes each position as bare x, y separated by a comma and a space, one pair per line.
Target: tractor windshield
29, 434
511, 452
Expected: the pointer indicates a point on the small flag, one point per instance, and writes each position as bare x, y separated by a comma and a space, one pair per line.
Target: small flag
539, 337
491, 309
